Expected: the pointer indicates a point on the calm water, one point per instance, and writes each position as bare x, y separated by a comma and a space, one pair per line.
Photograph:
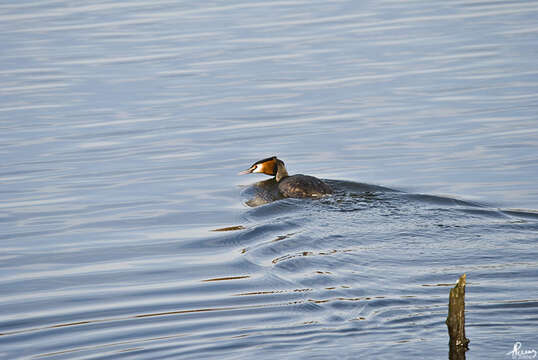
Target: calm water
124, 124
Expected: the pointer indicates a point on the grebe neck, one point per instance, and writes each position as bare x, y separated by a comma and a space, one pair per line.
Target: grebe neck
281, 171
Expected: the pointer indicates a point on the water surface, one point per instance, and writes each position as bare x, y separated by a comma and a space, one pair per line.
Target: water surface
124, 124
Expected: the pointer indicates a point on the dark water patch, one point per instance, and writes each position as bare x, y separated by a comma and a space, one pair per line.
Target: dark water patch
17, 173
227, 278
440, 200
230, 228
281, 208
524, 214
491, 213
243, 238
357, 187
510, 304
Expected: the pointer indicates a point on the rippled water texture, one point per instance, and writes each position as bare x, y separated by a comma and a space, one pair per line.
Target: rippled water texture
125, 232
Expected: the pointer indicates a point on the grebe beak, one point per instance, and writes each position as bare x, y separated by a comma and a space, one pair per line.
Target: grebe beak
247, 171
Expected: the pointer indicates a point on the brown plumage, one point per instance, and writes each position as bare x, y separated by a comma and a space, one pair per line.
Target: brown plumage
296, 186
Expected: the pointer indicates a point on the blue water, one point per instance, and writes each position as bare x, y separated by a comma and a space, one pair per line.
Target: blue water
126, 233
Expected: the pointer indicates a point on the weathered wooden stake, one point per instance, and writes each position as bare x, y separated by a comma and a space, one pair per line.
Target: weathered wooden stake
456, 321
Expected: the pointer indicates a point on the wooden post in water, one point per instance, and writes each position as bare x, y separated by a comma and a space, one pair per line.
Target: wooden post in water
456, 321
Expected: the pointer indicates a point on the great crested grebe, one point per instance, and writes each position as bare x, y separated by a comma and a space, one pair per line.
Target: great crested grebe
295, 186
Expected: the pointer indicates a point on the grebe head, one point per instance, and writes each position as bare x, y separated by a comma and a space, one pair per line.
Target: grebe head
266, 166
